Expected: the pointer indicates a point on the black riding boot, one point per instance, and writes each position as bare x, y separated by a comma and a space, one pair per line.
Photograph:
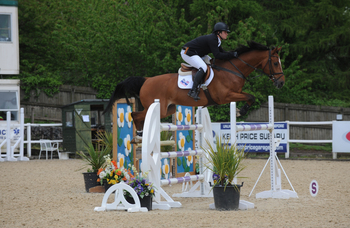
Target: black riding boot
197, 79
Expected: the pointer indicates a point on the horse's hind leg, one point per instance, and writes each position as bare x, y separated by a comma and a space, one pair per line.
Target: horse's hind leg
171, 109
139, 119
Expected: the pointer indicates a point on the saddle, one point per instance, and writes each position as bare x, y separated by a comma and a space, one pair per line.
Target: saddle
187, 70
190, 70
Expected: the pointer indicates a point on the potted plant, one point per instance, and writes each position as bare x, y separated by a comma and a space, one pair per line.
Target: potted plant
225, 162
143, 188
94, 160
111, 174
106, 139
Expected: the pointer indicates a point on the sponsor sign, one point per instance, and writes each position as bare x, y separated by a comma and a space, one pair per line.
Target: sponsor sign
341, 136
14, 135
185, 82
254, 141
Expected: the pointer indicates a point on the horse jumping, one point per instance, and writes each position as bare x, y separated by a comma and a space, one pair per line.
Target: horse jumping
225, 87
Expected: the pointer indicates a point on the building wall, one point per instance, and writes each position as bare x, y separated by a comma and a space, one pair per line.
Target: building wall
9, 50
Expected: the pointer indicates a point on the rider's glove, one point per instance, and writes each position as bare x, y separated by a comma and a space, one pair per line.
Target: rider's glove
234, 54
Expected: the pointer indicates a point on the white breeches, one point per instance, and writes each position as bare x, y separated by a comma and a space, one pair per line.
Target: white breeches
195, 60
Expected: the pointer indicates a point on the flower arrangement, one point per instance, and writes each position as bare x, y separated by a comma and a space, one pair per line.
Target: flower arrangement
112, 174
140, 184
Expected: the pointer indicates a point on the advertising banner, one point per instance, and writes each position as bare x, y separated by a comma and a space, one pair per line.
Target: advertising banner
253, 141
341, 136
14, 134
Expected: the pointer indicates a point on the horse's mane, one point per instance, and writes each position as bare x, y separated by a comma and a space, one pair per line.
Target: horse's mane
252, 45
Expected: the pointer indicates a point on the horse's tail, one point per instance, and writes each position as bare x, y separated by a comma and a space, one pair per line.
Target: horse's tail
129, 87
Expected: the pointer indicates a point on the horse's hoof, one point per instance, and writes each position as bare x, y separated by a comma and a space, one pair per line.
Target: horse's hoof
237, 113
137, 139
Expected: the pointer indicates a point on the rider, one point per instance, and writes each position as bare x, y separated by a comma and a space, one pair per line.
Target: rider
195, 51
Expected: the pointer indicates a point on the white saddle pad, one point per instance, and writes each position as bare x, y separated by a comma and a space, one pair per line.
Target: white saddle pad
184, 80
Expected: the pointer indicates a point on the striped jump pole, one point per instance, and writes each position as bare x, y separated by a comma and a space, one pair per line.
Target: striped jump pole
275, 173
151, 157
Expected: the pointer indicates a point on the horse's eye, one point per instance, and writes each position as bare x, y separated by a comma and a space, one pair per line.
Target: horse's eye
276, 63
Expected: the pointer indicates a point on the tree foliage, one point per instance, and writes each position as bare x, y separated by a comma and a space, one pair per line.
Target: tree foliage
98, 43
318, 31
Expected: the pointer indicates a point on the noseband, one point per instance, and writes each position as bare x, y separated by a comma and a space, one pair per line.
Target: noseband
272, 74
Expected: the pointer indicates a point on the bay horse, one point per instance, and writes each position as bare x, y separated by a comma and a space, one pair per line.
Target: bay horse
225, 87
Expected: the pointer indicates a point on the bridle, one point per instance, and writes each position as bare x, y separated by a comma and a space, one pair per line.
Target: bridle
272, 75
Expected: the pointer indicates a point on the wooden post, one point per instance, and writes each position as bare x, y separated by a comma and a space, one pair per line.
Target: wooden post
32, 115
286, 112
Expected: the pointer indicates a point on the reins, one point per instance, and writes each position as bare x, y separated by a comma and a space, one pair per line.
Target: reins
261, 71
240, 74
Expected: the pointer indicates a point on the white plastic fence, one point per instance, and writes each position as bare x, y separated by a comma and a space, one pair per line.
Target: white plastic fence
29, 137
11, 155
307, 141
10, 150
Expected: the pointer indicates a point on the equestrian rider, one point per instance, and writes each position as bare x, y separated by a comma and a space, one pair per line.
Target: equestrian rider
195, 51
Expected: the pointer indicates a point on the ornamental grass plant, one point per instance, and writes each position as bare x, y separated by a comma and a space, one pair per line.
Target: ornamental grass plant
106, 139
225, 161
94, 159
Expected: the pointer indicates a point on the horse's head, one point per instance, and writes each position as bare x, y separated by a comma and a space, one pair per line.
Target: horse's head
273, 68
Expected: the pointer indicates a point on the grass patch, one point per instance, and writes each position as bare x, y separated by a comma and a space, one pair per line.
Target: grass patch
28, 120
257, 155
326, 147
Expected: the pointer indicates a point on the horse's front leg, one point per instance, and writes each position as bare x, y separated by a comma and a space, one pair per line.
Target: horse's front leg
234, 97
247, 105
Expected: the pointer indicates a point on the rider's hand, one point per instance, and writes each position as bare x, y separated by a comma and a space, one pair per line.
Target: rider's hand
234, 54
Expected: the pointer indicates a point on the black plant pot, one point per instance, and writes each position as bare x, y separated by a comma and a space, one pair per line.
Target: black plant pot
146, 201
226, 199
90, 180
106, 185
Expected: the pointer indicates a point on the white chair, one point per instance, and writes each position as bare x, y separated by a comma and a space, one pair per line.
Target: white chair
47, 145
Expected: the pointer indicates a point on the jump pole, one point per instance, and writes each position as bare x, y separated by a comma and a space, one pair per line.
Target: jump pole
275, 173
243, 204
151, 158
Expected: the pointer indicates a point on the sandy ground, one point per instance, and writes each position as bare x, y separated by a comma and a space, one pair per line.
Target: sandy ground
51, 193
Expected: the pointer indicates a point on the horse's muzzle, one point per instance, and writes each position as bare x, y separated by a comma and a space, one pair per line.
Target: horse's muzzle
279, 83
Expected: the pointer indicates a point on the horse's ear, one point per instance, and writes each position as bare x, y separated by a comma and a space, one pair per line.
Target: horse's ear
278, 50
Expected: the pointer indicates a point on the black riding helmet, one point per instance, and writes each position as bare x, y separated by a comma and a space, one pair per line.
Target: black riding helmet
221, 26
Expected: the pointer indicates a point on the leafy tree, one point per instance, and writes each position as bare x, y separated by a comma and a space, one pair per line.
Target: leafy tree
260, 86
98, 43
318, 31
